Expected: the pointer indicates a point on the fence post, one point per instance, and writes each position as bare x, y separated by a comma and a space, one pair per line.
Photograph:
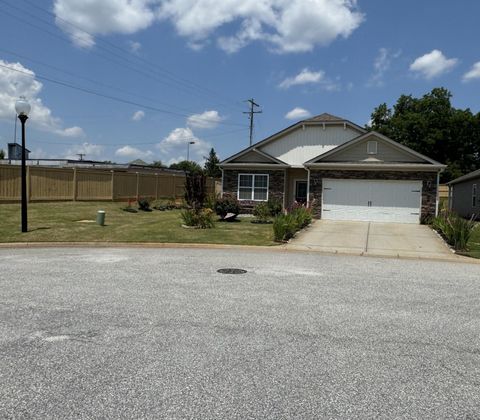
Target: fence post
138, 180
112, 184
74, 184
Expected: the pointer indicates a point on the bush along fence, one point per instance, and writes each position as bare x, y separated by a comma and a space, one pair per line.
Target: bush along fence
72, 184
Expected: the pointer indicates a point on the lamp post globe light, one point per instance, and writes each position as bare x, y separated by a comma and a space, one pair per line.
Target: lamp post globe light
188, 150
22, 107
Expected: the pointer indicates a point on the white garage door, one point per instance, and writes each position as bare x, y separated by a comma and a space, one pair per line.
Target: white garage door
372, 201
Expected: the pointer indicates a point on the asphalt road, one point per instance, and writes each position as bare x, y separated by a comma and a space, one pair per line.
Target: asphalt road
158, 333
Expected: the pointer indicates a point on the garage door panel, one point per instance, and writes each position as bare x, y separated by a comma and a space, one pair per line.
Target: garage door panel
372, 200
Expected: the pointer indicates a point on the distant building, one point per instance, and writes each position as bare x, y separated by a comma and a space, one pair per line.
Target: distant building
464, 196
15, 151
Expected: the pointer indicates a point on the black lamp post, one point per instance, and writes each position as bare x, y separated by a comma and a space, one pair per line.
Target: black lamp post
23, 108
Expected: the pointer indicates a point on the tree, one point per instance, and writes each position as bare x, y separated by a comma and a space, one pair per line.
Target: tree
187, 166
157, 164
211, 167
195, 190
2, 154
432, 126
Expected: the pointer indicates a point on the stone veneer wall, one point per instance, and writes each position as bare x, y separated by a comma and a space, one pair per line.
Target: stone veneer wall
429, 186
276, 185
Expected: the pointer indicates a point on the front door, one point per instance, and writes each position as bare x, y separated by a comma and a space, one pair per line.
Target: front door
301, 191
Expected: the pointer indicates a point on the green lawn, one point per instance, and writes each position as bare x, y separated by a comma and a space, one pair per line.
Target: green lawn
474, 243
54, 222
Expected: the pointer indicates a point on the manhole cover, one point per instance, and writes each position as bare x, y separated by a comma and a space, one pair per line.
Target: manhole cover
231, 271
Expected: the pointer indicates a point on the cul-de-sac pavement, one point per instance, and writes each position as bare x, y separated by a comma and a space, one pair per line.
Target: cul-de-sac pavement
159, 333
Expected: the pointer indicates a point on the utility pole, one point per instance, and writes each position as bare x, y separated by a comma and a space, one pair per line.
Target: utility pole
252, 113
81, 155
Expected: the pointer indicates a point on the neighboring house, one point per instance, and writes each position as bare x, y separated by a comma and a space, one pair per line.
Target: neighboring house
464, 195
15, 151
340, 169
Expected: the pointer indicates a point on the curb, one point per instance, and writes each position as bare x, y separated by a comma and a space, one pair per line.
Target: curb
274, 248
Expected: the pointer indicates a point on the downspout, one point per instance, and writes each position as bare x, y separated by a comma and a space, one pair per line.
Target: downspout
450, 197
437, 201
308, 187
221, 189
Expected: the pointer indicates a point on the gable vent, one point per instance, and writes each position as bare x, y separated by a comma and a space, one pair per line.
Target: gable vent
372, 147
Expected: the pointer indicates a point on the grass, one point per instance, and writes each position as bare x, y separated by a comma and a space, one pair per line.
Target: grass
59, 222
474, 243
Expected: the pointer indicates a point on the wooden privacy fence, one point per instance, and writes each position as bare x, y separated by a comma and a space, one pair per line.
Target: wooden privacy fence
65, 184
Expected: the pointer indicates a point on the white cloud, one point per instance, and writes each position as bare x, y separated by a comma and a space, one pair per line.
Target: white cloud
473, 73
174, 146
91, 151
285, 26
130, 152
138, 115
381, 64
134, 46
21, 81
433, 64
71, 132
207, 119
297, 114
102, 17
307, 76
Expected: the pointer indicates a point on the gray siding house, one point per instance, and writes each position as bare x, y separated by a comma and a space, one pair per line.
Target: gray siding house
463, 195
338, 168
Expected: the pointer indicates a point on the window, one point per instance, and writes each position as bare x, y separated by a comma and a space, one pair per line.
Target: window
253, 187
474, 195
372, 147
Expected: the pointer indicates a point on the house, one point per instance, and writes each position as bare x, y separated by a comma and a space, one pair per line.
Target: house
15, 151
343, 171
463, 195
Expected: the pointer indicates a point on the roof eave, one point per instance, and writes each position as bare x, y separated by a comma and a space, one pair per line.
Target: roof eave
376, 166
248, 165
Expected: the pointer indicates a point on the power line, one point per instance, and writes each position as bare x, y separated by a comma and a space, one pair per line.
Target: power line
142, 143
182, 84
113, 98
90, 80
251, 115
157, 67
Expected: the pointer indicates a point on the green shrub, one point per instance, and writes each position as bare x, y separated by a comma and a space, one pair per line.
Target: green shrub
202, 219
144, 204
275, 206
286, 225
227, 204
262, 212
455, 229
210, 201
303, 216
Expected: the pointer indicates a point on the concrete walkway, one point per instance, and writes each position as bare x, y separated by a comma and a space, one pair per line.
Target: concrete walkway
369, 238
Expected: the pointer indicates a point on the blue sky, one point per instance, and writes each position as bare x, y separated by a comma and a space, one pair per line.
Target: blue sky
180, 70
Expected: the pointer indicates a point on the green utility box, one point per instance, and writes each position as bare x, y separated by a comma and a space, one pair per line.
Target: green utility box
101, 217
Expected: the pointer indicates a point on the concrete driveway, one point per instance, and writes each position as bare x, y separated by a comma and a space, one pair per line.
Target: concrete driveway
369, 238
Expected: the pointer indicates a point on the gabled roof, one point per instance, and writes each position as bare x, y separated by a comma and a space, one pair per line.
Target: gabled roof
268, 159
322, 119
466, 177
325, 117
379, 136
